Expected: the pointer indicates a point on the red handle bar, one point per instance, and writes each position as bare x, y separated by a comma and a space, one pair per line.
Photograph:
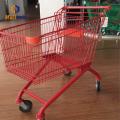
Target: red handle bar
88, 7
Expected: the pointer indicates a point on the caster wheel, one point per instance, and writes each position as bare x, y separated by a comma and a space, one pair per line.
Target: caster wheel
43, 117
25, 106
118, 33
98, 86
67, 72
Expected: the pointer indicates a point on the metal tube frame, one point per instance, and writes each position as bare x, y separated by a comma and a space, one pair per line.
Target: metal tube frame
46, 104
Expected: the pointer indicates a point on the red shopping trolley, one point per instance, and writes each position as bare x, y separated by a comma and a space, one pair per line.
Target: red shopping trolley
41, 50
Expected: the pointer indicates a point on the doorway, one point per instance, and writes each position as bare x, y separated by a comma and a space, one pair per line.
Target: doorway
32, 9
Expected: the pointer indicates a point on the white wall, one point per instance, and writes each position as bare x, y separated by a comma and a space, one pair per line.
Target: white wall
48, 7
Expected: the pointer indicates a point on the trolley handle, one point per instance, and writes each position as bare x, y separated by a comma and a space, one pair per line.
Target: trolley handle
88, 7
63, 9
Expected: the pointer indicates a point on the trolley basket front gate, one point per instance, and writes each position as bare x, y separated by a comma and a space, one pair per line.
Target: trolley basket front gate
43, 49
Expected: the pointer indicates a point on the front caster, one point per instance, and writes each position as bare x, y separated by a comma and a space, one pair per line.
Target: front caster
25, 106
67, 72
98, 86
42, 118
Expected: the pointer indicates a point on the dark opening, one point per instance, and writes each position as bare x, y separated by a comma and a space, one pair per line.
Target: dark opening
32, 2
32, 9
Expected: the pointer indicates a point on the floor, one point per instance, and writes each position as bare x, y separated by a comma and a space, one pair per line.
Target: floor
80, 102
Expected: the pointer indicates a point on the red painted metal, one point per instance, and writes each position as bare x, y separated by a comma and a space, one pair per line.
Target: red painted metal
41, 50
61, 91
33, 95
98, 77
105, 8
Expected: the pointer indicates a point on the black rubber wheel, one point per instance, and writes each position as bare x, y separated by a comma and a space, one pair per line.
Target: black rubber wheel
25, 106
98, 86
43, 117
118, 33
67, 72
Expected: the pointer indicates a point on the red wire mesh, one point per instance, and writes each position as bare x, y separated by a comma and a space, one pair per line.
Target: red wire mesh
61, 43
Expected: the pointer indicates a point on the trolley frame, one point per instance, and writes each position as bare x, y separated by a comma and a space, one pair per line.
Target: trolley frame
81, 69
